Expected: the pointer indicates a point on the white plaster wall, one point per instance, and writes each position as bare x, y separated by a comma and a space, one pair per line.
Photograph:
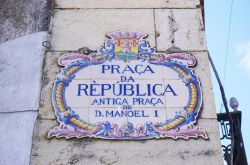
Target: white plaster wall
16, 137
84, 23
21, 62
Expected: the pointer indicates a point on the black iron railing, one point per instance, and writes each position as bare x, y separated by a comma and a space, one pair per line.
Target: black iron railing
230, 122
239, 155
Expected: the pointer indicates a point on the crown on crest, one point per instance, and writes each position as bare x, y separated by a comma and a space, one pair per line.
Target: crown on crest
126, 35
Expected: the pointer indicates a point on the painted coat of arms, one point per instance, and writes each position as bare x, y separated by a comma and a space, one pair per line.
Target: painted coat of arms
126, 45
126, 90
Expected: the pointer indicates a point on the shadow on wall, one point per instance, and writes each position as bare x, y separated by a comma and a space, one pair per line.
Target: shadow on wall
22, 17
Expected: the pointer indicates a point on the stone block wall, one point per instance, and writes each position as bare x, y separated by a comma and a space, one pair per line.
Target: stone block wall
29, 73
170, 24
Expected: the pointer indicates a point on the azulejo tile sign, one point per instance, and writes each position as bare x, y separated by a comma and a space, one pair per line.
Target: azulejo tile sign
126, 90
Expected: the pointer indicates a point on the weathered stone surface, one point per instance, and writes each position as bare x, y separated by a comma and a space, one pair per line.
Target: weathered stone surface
202, 69
93, 151
16, 137
73, 29
127, 4
22, 17
20, 71
51, 69
180, 28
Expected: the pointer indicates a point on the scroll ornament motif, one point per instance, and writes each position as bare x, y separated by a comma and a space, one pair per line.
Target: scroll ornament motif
181, 126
